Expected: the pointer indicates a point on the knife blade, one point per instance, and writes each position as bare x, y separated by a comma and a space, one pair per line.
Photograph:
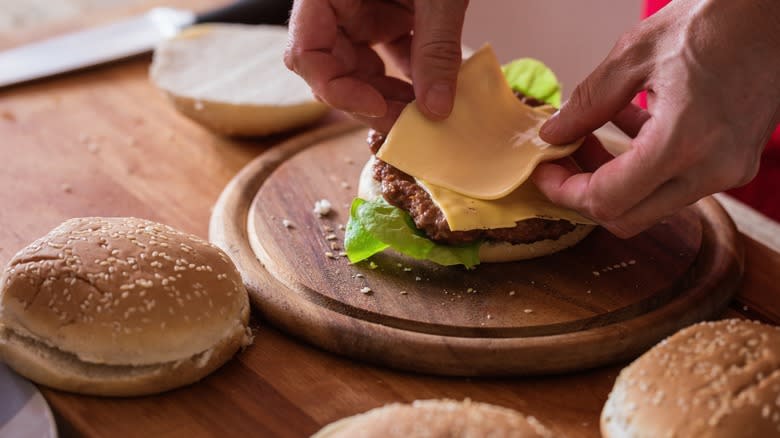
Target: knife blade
125, 38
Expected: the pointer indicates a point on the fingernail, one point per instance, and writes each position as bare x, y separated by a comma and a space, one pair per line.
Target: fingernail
549, 126
438, 100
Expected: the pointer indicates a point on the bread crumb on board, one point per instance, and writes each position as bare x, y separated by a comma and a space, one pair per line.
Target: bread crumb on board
322, 208
288, 224
365, 290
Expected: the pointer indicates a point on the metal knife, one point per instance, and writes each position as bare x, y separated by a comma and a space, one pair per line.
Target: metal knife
125, 38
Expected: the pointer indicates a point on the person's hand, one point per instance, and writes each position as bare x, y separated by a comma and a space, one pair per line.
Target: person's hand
712, 72
332, 47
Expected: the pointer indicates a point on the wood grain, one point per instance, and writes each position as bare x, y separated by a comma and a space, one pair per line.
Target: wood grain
603, 301
174, 173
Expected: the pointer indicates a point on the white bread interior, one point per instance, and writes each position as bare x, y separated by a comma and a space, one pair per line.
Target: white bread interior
231, 78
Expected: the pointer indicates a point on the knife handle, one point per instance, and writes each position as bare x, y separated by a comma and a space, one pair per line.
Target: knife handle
249, 12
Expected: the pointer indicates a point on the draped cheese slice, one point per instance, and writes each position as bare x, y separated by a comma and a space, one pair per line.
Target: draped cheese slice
526, 202
486, 148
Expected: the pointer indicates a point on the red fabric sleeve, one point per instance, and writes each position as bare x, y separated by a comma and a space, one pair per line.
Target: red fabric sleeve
762, 193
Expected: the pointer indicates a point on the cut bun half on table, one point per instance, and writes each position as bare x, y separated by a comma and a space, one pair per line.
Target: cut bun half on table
457, 191
120, 307
231, 78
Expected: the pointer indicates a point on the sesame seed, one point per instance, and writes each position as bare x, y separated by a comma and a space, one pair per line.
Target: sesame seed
365, 290
329, 255
417, 279
331, 237
596, 273
511, 293
403, 292
528, 310
407, 269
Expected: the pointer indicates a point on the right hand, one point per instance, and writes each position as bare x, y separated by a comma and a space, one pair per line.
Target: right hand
332, 47
712, 72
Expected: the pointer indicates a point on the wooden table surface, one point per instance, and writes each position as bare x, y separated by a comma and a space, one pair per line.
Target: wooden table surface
105, 142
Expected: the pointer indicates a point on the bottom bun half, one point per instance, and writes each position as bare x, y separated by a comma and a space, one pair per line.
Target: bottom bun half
490, 252
55, 368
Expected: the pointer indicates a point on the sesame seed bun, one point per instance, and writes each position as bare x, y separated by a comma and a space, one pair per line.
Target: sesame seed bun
120, 306
489, 252
436, 419
714, 379
231, 79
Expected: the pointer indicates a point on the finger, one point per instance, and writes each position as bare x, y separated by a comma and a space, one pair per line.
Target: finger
436, 54
399, 52
669, 198
374, 21
371, 69
325, 59
595, 101
591, 154
384, 123
631, 119
332, 83
392, 88
613, 188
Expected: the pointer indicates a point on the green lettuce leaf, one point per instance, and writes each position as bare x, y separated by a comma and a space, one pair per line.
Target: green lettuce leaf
376, 225
534, 79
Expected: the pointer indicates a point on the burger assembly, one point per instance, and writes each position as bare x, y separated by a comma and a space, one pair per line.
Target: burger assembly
452, 192
130, 307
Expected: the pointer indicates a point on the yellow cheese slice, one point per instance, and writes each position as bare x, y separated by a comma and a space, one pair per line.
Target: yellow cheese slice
525, 202
486, 148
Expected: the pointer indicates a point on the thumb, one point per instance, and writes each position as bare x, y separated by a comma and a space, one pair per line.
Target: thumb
595, 101
436, 55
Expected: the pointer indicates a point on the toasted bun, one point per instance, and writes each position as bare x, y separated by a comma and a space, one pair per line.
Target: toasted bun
120, 306
490, 252
714, 379
436, 419
231, 78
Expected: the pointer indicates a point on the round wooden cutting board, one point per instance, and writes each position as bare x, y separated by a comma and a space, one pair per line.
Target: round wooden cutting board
601, 301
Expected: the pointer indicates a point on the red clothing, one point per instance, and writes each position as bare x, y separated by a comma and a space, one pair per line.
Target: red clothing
761, 193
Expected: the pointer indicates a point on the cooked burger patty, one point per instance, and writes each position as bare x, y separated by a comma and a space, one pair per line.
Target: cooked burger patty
401, 190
